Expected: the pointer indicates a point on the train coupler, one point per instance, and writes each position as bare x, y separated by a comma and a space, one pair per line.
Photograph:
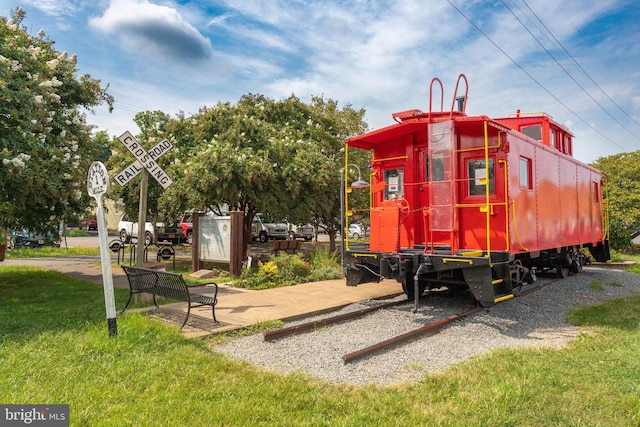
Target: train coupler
358, 273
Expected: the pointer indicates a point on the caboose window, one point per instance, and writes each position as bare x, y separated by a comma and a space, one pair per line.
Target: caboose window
435, 169
596, 193
534, 131
525, 173
477, 174
394, 178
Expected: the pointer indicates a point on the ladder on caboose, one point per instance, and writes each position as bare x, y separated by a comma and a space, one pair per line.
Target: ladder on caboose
441, 219
442, 216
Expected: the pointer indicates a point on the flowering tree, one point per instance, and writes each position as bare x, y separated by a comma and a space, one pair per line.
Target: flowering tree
260, 155
45, 143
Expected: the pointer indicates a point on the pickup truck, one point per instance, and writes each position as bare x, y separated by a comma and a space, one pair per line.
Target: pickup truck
128, 229
305, 231
186, 226
264, 231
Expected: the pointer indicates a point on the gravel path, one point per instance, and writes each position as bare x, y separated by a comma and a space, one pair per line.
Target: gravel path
534, 320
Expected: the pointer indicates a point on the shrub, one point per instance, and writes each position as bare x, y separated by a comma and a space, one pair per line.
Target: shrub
268, 271
323, 258
325, 272
281, 270
290, 269
325, 265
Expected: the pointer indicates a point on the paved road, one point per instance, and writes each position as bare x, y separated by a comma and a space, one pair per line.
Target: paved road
80, 267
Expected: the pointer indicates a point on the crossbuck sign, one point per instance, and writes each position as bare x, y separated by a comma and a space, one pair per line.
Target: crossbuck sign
145, 160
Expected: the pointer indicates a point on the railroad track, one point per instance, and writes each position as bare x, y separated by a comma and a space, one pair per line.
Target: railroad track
427, 330
311, 326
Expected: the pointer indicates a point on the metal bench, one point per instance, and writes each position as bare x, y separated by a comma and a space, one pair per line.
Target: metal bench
168, 285
289, 246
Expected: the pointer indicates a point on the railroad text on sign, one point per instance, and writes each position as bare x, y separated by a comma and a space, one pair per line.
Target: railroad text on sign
128, 173
147, 161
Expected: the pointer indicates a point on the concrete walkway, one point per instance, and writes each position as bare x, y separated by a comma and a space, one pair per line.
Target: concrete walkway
237, 308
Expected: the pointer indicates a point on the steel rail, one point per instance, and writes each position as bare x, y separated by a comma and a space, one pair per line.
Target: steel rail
311, 326
426, 330
429, 330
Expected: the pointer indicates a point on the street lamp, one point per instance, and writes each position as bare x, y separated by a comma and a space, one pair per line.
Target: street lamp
360, 183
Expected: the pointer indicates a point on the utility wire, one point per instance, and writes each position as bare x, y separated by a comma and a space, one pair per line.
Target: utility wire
567, 72
128, 107
534, 79
579, 67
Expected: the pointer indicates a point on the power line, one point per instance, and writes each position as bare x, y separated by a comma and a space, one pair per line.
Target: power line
533, 78
579, 67
567, 72
128, 107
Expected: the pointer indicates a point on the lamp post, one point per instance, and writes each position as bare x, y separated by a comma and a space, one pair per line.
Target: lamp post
360, 183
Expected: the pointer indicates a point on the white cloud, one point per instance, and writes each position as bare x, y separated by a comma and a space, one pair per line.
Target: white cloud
52, 7
142, 27
376, 55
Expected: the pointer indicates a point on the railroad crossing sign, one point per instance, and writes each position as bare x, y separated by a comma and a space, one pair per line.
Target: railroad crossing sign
145, 160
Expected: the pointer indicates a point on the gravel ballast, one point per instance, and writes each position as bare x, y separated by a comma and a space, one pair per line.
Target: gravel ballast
533, 320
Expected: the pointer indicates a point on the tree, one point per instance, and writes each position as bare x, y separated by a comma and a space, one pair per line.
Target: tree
260, 155
45, 143
342, 124
623, 193
102, 143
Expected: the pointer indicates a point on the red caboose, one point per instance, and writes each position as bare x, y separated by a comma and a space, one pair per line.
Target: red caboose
470, 201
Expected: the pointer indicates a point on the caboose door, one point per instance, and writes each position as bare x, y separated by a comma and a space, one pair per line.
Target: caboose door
437, 195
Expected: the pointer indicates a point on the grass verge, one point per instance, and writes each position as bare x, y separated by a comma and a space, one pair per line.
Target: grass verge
50, 252
54, 348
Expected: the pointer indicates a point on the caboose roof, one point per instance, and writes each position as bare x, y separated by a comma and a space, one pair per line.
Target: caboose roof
367, 141
416, 122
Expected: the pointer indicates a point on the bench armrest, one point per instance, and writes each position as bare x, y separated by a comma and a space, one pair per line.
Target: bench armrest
202, 284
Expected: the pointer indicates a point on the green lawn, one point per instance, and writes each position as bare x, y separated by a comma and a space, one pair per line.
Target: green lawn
54, 348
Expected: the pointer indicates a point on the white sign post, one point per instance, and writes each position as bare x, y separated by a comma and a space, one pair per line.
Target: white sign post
97, 184
145, 163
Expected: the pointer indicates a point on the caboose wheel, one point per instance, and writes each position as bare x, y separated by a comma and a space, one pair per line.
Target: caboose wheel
562, 271
578, 260
407, 287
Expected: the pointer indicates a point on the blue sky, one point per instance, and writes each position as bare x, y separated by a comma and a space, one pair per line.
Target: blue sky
577, 60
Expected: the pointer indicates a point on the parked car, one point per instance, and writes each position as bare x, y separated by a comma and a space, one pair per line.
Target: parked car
26, 239
89, 224
262, 230
171, 233
128, 229
304, 231
186, 225
356, 231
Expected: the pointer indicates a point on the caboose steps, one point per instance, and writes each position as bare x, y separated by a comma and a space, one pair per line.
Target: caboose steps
503, 298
